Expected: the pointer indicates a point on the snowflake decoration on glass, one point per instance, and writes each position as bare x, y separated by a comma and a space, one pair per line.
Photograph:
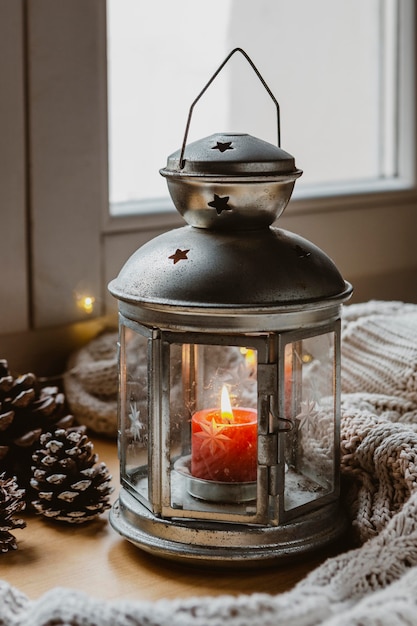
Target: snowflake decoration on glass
136, 426
212, 436
308, 414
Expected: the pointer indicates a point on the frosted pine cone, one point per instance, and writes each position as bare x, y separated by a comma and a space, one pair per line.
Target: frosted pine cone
11, 502
27, 409
71, 486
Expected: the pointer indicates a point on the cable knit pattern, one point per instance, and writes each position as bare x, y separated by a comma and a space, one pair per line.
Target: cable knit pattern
374, 584
380, 350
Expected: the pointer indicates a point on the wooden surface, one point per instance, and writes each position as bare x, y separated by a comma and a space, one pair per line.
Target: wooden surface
95, 559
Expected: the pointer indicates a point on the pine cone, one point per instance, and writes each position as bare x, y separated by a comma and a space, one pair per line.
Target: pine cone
27, 409
71, 486
11, 502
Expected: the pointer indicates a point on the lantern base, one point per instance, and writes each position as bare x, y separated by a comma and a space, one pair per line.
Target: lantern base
225, 545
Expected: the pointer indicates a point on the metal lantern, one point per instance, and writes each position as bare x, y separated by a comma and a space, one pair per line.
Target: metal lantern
229, 367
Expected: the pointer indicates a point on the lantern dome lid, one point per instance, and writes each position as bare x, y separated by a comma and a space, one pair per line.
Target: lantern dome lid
193, 268
231, 155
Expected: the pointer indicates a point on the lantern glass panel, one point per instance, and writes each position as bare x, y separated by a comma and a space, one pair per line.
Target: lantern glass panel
310, 404
213, 429
134, 411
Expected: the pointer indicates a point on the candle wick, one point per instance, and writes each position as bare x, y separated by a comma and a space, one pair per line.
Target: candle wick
227, 417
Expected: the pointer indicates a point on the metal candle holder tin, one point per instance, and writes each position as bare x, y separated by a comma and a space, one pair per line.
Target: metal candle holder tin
229, 302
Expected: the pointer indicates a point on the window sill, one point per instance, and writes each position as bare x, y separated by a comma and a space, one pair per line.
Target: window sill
160, 213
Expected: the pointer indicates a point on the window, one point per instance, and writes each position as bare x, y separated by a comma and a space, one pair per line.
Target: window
63, 243
336, 83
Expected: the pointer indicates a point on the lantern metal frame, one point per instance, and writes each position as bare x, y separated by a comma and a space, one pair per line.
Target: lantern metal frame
226, 539
194, 286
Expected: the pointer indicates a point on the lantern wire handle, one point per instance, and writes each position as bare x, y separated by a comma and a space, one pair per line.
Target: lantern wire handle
219, 69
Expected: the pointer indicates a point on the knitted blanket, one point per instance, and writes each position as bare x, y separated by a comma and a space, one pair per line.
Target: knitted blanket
373, 584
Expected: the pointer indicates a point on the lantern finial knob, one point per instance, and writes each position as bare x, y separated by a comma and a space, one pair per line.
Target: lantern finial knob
211, 181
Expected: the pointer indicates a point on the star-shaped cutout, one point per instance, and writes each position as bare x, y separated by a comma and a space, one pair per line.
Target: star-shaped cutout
212, 436
220, 204
308, 414
222, 147
179, 255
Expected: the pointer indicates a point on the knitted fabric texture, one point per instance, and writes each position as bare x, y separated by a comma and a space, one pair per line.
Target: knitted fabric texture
91, 384
376, 583
379, 350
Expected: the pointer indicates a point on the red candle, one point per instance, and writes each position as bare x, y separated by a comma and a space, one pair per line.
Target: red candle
224, 443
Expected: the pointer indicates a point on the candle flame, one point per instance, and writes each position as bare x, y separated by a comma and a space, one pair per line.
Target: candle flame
225, 406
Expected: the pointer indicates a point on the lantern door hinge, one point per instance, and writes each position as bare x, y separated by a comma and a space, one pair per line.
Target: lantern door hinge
268, 457
268, 449
267, 378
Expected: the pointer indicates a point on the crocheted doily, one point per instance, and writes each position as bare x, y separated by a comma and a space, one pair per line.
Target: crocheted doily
374, 584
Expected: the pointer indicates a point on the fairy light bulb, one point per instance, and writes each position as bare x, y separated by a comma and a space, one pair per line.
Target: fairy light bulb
86, 303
